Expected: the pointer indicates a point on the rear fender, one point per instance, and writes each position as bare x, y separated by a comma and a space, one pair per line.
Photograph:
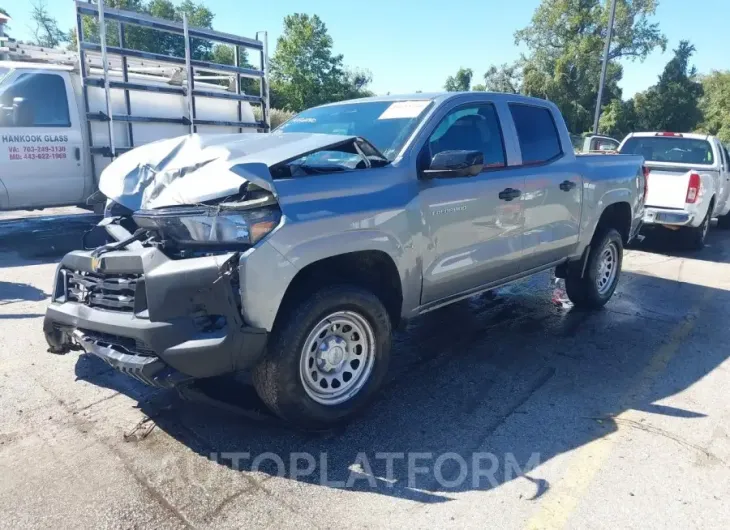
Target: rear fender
592, 212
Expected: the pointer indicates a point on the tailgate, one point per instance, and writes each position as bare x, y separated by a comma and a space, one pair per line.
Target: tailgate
667, 187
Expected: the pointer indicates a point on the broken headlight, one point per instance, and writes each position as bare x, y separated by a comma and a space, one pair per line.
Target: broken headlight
210, 226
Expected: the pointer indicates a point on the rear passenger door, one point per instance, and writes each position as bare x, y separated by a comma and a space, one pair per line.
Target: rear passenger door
553, 187
474, 224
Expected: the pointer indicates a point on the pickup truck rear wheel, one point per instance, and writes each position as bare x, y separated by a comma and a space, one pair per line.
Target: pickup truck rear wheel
602, 271
327, 358
723, 221
694, 237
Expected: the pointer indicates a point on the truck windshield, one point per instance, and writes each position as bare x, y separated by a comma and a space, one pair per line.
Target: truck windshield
670, 149
385, 124
3, 72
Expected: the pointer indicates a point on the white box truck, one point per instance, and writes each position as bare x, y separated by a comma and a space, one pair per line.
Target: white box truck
65, 115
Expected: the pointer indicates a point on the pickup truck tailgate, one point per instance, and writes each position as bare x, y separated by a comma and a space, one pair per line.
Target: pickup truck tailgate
667, 187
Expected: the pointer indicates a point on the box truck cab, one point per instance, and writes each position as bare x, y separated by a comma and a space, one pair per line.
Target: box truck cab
42, 153
64, 116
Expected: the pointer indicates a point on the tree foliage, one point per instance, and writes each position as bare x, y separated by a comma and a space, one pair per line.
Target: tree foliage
715, 105
304, 70
461, 82
45, 30
565, 44
505, 78
673, 103
149, 40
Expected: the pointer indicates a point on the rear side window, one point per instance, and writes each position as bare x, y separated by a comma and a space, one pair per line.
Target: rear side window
670, 149
44, 101
537, 133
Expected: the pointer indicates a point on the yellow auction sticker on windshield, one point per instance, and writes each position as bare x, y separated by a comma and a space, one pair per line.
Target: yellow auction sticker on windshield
404, 109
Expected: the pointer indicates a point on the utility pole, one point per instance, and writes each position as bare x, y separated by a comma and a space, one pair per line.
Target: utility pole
604, 67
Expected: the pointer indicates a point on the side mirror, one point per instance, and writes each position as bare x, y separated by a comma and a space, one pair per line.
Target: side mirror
22, 113
447, 164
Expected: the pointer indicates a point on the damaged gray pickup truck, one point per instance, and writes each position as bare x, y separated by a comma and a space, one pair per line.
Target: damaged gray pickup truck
295, 254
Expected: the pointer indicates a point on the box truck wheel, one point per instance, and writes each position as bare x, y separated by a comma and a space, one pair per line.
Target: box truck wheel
326, 358
596, 286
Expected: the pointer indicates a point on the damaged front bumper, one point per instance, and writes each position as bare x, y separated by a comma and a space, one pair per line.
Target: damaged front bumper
161, 320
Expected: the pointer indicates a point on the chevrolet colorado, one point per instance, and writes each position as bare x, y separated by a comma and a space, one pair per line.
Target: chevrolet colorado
295, 253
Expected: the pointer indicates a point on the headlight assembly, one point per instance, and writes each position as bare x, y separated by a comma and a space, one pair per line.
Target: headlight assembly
210, 226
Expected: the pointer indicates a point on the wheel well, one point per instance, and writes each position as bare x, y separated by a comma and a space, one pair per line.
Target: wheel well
618, 216
373, 270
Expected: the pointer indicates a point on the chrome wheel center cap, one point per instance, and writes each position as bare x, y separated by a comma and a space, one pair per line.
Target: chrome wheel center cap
332, 354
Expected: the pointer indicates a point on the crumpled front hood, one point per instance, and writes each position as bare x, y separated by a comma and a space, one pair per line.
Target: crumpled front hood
194, 168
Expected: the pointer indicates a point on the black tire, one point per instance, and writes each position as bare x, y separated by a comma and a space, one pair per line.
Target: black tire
277, 377
584, 291
723, 222
694, 237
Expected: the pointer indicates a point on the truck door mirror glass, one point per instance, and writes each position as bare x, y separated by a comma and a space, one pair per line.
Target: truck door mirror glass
456, 163
22, 113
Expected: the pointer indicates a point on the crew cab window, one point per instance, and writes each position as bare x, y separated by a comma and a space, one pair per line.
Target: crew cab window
34, 100
473, 128
536, 132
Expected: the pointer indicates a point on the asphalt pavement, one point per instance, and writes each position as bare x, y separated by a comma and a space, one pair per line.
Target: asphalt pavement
508, 410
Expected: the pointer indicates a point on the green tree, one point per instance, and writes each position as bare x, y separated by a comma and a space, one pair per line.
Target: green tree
505, 78
618, 118
304, 70
564, 46
144, 39
461, 82
4, 12
673, 104
45, 30
715, 105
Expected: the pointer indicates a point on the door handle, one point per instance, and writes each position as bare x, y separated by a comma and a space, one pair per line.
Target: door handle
509, 194
77, 153
567, 185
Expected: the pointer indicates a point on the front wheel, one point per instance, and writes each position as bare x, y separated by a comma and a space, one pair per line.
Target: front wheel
596, 286
327, 358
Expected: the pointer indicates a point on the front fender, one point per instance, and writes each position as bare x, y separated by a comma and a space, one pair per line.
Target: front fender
267, 271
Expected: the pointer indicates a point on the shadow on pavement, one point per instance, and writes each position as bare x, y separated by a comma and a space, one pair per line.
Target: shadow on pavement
11, 293
508, 379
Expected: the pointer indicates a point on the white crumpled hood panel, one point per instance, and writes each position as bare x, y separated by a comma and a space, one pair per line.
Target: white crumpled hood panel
194, 168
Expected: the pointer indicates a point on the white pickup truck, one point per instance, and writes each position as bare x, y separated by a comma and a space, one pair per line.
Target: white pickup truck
65, 115
689, 177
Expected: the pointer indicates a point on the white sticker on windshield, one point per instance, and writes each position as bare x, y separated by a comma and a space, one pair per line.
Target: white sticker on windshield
404, 109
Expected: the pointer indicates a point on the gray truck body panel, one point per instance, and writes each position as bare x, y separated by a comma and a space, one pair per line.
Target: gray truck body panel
448, 238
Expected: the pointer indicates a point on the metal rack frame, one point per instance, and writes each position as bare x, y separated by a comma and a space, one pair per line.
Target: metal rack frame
103, 14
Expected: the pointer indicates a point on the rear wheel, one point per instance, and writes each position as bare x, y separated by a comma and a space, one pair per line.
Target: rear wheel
694, 237
723, 221
327, 358
594, 288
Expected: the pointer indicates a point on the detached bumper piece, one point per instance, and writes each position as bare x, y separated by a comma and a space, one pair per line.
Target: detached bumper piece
162, 321
148, 370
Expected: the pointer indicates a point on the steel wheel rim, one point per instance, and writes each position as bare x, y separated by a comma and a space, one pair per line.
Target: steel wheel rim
337, 358
607, 268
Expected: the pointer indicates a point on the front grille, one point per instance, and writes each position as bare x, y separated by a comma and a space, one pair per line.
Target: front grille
113, 292
126, 344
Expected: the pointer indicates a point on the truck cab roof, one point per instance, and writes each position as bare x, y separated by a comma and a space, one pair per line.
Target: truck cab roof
441, 97
22, 65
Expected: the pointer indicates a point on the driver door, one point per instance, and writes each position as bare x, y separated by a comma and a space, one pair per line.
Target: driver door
474, 228
40, 140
